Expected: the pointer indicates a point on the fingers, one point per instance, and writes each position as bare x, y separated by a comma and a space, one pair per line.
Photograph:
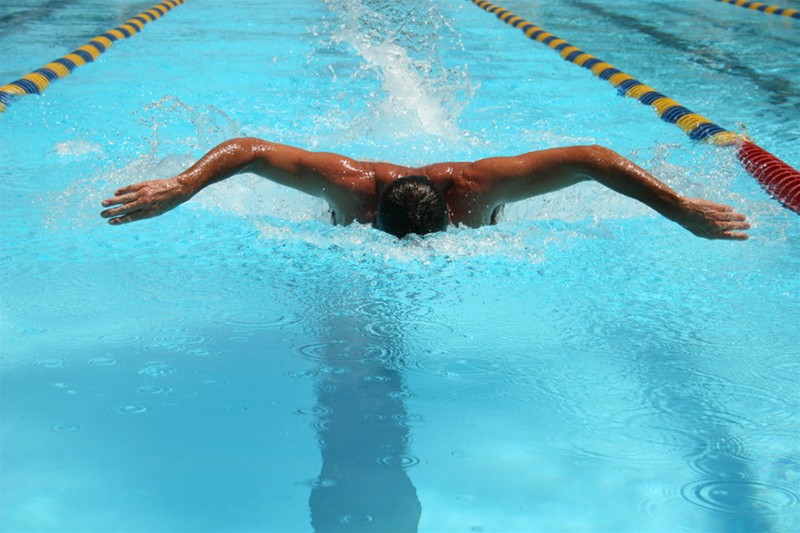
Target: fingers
125, 219
123, 209
119, 199
731, 236
728, 236
725, 230
129, 189
120, 220
732, 216
126, 214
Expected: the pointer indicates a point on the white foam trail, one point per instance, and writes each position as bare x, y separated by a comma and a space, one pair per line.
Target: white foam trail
418, 94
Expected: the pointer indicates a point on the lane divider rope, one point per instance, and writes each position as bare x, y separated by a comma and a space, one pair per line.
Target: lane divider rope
38, 80
779, 179
764, 8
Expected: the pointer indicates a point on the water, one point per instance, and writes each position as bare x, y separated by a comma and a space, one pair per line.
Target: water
242, 365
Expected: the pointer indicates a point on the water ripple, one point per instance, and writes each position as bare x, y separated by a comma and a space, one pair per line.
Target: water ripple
131, 409
439, 363
102, 361
740, 496
66, 428
355, 519
404, 460
340, 351
255, 318
157, 369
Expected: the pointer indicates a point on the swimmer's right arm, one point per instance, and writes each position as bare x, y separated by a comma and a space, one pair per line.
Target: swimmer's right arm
309, 172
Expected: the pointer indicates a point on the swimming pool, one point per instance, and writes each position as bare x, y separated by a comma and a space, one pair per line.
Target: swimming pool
242, 365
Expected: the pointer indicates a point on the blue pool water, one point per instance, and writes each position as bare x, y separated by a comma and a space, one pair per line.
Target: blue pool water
240, 364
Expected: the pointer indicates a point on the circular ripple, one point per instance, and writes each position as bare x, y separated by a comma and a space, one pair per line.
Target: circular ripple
355, 519
445, 365
724, 456
51, 362
319, 483
120, 339
131, 409
157, 369
257, 319
740, 496
338, 351
102, 361
645, 438
754, 401
150, 389
317, 410
66, 428
181, 393
301, 374
180, 339
404, 460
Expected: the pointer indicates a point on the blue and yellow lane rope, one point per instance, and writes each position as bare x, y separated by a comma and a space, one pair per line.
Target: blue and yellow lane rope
779, 179
765, 8
38, 80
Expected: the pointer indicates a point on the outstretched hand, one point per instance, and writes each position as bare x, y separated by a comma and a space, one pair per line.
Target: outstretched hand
711, 220
144, 200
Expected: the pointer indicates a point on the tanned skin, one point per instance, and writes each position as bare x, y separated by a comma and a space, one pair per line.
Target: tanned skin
474, 190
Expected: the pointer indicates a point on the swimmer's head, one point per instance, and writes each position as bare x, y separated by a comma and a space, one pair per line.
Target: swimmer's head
412, 204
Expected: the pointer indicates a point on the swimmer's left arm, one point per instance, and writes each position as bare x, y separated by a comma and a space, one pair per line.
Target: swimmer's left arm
510, 179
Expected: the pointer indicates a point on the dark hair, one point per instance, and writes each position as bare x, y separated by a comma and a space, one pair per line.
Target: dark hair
412, 204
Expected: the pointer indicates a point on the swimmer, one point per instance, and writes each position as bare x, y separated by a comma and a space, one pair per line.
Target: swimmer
401, 200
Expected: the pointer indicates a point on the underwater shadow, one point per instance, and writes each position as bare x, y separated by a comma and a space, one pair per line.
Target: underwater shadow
362, 422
